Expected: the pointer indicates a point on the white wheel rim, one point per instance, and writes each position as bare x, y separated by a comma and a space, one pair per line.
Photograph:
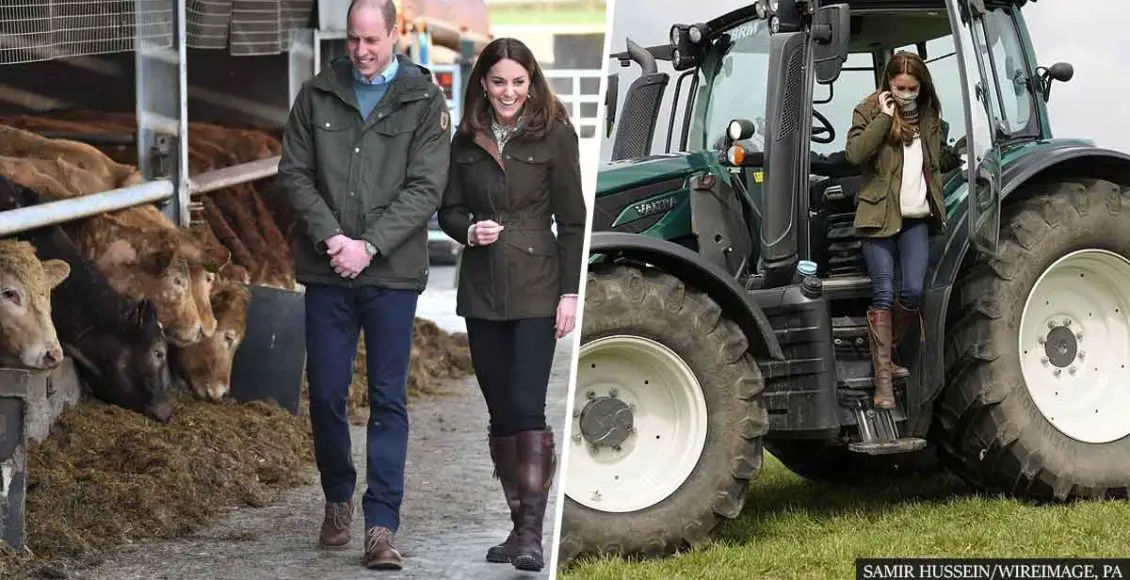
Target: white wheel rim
1079, 306
668, 412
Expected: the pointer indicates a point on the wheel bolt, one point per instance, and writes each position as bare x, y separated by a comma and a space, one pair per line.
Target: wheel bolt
1067, 322
1057, 372
1044, 359
1082, 354
577, 437
1072, 369
576, 413
1041, 340
1051, 324
616, 448
590, 395
1079, 335
614, 393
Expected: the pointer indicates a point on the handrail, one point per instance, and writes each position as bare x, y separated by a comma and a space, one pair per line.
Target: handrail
234, 175
52, 213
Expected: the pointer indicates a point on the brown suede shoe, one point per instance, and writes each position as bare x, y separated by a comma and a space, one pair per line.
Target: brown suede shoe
379, 553
335, 526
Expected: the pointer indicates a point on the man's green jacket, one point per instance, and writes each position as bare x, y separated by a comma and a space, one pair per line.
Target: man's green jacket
377, 179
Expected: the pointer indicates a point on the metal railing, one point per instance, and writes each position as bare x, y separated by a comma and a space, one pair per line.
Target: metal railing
571, 88
51, 213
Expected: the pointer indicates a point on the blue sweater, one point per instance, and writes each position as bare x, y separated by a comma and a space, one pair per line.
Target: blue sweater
370, 93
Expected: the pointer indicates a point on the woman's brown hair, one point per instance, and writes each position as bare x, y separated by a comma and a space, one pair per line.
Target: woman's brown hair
928, 103
542, 107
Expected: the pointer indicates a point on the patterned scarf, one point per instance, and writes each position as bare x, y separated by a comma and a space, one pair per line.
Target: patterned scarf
503, 133
910, 117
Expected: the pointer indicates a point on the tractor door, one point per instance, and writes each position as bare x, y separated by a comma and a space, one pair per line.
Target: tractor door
970, 24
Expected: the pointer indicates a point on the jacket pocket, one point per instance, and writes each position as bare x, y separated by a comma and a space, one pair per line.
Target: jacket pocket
332, 137
528, 168
871, 204
533, 266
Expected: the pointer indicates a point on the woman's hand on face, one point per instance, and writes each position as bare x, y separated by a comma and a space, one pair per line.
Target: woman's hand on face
485, 232
566, 315
887, 103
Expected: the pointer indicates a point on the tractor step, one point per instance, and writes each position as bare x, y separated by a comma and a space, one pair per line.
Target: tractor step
880, 434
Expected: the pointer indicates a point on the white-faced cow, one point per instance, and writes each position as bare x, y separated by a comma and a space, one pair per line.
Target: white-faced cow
27, 334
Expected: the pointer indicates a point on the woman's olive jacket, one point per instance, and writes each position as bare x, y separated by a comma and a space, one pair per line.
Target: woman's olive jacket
526, 187
878, 212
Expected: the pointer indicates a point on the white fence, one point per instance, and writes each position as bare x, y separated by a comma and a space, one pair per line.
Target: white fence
579, 90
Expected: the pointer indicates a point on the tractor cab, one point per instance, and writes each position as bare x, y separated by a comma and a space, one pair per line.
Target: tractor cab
742, 76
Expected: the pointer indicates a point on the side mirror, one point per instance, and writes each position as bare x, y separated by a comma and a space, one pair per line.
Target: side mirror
611, 97
1060, 71
831, 27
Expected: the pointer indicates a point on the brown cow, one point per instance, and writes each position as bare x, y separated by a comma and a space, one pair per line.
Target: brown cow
151, 263
19, 143
27, 334
206, 366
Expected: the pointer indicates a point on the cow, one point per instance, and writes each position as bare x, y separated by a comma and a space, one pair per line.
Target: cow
27, 334
205, 367
117, 343
19, 143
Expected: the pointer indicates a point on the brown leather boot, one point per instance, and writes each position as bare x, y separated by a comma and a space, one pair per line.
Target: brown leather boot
879, 326
336, 525
504, 453
537, 465
379, 551
901, 319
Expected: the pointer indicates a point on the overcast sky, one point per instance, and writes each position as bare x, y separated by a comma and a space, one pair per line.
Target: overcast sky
1086, 33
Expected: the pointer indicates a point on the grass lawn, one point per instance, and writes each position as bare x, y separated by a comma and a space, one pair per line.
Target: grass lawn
792, 528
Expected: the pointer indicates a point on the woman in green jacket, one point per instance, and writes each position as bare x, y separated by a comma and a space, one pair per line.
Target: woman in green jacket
895, 139
515, 172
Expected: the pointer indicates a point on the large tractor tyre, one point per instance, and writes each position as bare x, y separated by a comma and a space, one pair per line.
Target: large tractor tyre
1037, 363
668, 418
822, 462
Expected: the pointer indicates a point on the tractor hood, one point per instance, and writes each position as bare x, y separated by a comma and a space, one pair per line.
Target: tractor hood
619, 175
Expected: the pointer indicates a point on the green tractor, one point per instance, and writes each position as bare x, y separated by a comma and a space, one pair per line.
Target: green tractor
725, 304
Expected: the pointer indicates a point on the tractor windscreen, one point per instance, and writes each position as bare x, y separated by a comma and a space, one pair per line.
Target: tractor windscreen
732, 84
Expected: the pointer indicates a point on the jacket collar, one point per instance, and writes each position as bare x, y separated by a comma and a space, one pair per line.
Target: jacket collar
338, 79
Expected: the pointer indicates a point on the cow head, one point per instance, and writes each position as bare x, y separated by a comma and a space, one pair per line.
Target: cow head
206, 365
127, 366
27, 333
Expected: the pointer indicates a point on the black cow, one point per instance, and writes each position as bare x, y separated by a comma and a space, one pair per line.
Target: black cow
116, 343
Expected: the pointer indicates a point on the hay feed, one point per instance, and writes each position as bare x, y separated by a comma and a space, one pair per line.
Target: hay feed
107, 476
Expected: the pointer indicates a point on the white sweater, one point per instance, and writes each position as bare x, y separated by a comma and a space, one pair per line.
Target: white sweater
912, 193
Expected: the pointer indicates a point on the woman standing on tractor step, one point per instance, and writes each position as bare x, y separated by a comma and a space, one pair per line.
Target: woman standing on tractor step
515, 169
895, 140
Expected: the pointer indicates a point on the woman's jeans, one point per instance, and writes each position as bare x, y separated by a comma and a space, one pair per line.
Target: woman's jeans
911, 246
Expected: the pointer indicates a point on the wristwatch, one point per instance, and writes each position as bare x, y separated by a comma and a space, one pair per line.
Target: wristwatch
370, 249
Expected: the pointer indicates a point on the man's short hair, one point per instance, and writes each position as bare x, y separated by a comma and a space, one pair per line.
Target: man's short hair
388, 11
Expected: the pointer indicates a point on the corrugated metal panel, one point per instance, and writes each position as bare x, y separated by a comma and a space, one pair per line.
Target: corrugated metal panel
246, 27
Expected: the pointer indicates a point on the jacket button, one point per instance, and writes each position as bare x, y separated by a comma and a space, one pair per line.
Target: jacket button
529, 159
327, 124
530, 249
356, 149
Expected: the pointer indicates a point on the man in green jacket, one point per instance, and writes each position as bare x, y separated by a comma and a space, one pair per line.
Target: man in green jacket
364, 165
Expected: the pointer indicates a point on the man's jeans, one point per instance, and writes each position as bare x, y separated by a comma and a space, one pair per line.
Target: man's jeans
911, 248
334, 317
